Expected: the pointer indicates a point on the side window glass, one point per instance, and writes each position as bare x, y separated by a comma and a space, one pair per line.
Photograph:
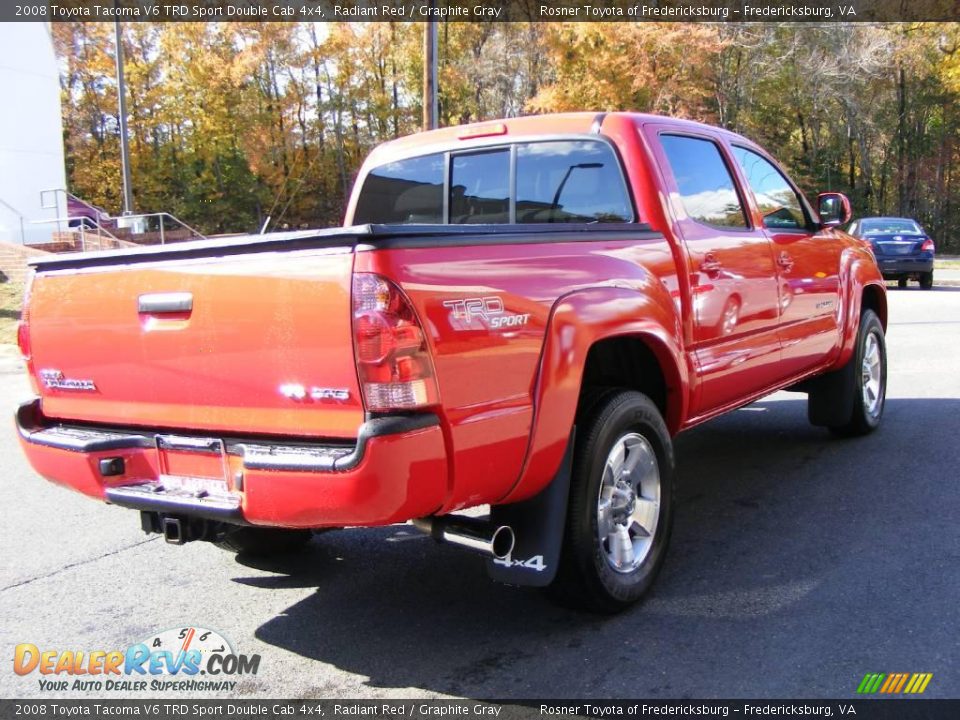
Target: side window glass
779, 205
570, 182
706, 187
406, 191
480, 188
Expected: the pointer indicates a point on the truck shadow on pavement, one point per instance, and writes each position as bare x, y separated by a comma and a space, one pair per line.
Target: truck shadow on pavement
783, 535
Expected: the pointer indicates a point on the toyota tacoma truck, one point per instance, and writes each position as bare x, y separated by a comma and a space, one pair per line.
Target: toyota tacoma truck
518, 314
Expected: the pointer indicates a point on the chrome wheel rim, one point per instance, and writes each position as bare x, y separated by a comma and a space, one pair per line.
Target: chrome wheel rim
628, 506
731, 315
871, 376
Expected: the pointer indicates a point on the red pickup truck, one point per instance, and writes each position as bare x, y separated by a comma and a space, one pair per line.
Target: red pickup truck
518, 314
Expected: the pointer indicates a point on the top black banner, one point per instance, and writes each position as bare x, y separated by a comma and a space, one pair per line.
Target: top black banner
778, 11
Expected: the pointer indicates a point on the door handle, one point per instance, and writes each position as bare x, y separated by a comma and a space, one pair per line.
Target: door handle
170, 302
710, 265
785, 261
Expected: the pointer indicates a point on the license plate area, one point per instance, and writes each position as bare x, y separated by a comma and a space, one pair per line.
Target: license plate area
195, 467
897, 248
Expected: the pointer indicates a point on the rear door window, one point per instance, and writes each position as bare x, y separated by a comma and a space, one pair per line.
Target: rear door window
706, 187
570, 182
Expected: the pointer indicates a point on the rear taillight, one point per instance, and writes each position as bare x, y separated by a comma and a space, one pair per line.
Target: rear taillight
927, 245
23, 331
23, 327
393, 363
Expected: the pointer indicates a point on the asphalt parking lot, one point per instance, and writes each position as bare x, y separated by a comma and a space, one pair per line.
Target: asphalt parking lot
799, 563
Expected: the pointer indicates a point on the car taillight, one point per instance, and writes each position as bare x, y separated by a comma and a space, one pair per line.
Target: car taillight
927, 245
23, 332
23, 339
393, 363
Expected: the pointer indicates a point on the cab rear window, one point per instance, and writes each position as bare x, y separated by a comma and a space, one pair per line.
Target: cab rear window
563, 181
406, 191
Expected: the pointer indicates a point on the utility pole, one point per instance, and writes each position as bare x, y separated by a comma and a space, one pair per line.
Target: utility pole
430, 108
124, 147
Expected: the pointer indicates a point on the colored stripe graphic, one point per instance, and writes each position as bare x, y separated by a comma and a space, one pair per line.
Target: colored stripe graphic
894, 683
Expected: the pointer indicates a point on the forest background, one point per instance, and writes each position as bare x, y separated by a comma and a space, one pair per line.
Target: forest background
232, 122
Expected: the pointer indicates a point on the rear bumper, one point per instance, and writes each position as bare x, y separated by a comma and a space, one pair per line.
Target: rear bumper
894, 267
395, 471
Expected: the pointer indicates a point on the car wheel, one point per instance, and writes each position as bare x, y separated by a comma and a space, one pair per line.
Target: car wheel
926, 280
870, 378
621, 499
730, 317
263, 541
901, 283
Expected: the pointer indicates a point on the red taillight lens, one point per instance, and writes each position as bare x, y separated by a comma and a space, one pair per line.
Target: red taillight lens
23, 339
927, 245
394, 365
23, 327
23, 333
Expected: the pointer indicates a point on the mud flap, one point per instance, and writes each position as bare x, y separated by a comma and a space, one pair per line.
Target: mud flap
830, 403
538, 524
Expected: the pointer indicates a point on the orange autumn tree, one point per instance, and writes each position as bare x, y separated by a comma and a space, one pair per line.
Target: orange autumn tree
662, 68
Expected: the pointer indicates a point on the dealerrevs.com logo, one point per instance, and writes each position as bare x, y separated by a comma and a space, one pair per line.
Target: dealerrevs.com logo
179, 659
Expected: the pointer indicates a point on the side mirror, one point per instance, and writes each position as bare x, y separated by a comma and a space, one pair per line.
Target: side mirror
834, 209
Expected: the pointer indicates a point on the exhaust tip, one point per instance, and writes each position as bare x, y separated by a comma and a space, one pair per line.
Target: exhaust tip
502, 542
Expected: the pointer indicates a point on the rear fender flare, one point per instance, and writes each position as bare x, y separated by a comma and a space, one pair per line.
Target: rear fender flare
578, 320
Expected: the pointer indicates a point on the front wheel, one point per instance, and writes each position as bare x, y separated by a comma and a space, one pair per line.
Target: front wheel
621, 501
870, 378
926, 280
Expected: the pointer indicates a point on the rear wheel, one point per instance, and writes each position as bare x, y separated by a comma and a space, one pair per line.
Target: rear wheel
901, 282
870, 378
263, 541
621, 500
926, 280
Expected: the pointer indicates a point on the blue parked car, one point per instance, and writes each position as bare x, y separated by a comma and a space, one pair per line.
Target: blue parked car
902, 247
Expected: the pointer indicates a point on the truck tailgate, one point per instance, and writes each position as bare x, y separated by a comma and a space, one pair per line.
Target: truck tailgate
251, 341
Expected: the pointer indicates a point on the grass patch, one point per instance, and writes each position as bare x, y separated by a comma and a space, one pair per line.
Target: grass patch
11, 296
952, 264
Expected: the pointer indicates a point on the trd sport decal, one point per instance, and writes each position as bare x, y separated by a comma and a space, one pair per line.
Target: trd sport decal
486, 311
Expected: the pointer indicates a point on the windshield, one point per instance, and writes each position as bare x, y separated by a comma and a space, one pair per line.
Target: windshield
886, 226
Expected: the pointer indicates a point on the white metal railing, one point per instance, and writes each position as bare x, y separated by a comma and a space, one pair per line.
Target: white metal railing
11, 208
136, 223
91, 235
130, 221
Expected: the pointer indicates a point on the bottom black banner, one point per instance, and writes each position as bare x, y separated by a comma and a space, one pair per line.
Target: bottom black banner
877, 709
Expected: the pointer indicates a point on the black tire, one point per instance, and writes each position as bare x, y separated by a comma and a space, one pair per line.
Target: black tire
926, 280
866, 415
901, 282
262, 541
586, 577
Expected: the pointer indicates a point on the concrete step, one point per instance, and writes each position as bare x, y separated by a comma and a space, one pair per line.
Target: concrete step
13, 261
